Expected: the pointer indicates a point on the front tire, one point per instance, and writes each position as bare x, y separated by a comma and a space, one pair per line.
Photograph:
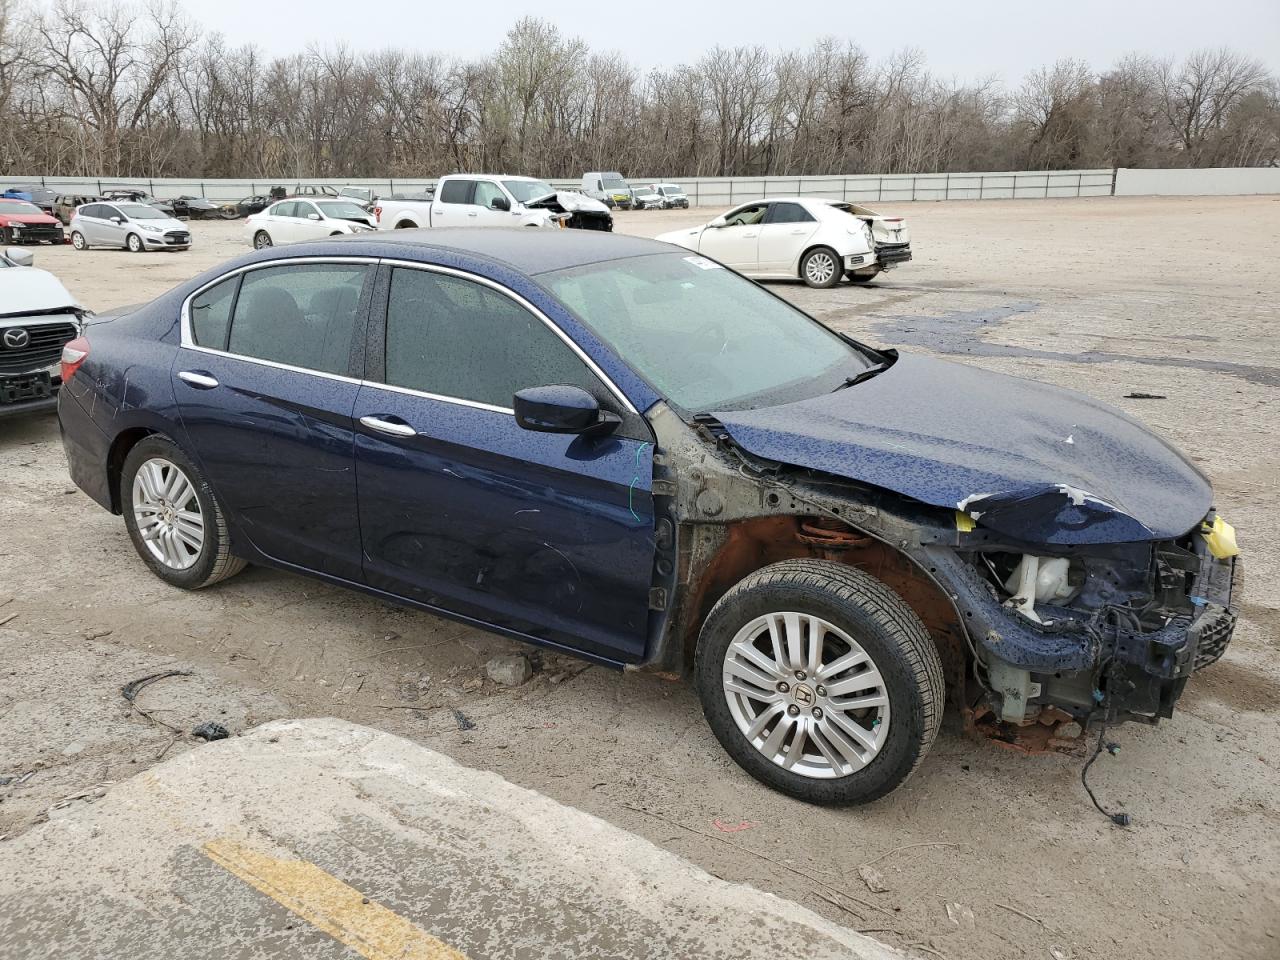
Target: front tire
133, 243
261, 240
821, 268
820, 682
173, 518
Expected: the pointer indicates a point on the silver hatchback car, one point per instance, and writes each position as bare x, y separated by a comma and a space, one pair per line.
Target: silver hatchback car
134, 226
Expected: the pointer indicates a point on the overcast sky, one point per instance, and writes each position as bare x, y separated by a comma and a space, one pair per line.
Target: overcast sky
960, 39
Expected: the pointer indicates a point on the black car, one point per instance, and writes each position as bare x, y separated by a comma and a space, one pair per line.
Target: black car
140, 196
246, 207
607, 446
193, 208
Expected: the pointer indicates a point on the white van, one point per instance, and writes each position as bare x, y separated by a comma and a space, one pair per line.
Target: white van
609, 188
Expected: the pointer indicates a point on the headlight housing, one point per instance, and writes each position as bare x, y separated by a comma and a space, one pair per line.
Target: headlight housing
151, 227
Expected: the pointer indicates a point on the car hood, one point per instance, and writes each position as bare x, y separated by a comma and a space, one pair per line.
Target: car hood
25, 290
168, 223
570, 201
35, 219
1030, 461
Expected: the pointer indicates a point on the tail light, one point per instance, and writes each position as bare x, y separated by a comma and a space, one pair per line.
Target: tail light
377, 213
74, 353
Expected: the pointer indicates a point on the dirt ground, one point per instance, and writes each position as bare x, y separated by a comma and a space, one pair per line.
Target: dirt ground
985, 853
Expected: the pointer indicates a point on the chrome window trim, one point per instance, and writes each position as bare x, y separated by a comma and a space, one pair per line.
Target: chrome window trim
521, 301
475, 404
187, 341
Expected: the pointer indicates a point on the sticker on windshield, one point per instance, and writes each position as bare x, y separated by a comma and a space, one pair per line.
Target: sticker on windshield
704, 263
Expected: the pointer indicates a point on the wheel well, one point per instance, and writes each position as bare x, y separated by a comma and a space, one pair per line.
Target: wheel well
751, 544
406, 225
120, 448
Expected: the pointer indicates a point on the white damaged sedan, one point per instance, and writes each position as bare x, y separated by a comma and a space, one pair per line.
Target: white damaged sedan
778, 238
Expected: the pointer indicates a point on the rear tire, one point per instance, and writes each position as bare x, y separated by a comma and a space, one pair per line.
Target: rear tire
78, 241
820, 268
173, 518
133, 243
875, 667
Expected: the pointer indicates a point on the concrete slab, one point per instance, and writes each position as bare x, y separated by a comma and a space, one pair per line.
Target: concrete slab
323, 839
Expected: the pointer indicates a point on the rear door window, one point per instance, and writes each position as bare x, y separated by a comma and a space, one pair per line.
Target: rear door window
789, 213
304, 315
459, 339
457, 191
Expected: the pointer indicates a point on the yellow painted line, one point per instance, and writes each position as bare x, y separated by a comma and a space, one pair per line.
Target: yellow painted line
327, 903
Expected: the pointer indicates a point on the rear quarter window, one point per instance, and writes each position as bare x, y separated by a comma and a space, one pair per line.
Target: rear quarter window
211, 314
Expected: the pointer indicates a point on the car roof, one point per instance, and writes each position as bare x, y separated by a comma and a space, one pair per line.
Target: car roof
526, 250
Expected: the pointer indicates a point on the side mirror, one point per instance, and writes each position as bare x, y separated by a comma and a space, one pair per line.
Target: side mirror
119, 220
313, 216
562, 409
500, 203
20, 258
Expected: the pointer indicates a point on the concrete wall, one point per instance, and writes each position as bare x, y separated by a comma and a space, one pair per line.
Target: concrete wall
726, 191
1211, 181
704, 191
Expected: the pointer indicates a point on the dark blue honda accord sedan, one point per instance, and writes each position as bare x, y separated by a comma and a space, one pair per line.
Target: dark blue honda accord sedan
607, 446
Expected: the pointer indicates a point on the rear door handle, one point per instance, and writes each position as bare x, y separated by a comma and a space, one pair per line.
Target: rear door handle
196, 378
797, 233
388, 426
474, 213
750, 235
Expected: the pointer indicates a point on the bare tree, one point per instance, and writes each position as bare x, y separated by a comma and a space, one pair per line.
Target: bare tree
1199, 95
95, 87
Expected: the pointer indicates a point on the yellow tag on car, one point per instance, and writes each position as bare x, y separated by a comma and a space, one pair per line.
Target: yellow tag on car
1221, 538
964, 522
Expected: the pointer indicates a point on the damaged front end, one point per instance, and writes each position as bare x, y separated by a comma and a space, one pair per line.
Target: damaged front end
576, 211
1068, 634
1050, 607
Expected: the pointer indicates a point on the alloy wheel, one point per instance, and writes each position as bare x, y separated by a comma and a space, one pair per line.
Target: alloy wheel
167, 511
819, 268
806, 695
261, 240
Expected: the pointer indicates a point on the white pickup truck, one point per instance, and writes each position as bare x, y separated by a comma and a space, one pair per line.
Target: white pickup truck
483, 200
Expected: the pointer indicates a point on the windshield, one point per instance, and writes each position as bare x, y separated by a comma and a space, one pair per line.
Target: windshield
18, 207
528, 190
644, 192
706, 338
342, 210
671, 190
613, 181
140, 211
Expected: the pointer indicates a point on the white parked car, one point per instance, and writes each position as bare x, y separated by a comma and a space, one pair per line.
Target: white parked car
291, 220
38, 317
646, 198
126, 223
777, 238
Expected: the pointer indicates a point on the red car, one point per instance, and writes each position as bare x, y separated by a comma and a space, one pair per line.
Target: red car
23, 222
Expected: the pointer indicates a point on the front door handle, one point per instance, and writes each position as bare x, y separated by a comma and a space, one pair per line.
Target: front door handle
199, 380
798, 233
388, 426
750, 235
474, 213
